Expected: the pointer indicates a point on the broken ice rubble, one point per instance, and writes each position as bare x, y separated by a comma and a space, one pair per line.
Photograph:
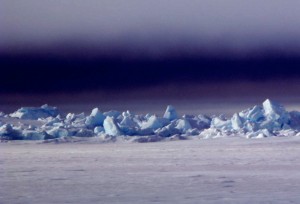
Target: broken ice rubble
266, 120
35, 113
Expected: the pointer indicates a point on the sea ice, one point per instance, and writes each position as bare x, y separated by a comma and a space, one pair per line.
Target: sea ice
168, 130
84, 133
221, 122
111, 127
183, 125
99, 130
236, 122
199, 122
8, 132
295, 120
153, 123
95, 119
170, 113
34, 135
128, 121
275, 111
266, 120
254, 114
128, 125
57, 132
33, 113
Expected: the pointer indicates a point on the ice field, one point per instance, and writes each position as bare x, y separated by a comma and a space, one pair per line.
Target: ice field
114, 157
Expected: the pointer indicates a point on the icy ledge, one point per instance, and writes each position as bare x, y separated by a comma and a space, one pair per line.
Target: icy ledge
43, 123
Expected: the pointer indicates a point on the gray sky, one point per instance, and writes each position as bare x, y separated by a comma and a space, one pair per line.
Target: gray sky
151, 26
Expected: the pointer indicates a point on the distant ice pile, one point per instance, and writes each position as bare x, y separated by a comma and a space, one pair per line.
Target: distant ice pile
266, 120
35, 113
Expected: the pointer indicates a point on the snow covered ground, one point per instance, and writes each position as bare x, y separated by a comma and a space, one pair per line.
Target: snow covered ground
223, 170
113, 157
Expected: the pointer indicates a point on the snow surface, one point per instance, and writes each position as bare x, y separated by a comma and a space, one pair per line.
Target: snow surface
224, 170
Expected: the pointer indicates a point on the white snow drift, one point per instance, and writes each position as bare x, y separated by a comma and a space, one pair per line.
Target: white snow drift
266, 120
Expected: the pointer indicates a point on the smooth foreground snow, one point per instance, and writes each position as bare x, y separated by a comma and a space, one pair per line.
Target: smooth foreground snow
224, 170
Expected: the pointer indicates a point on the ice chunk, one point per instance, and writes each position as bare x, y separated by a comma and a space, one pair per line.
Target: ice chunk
147, 116
95, 119
152, 123
142, 132
286, 133
267, 133
271, 116
199, 122
251, 126
128, 125
295, 120
77, 121
127, 114
33, 135
5, 129
31, 127
168, 130
236, 122
57, 132
192, 132
164, 121
72, 117
270, 125
128, 122
33, 113
260, 134
221, 122
170, 113
254, 114
111, 127
275, 117
50, 121
183, 125
84, 133
99, 130
210, 133
204, 121
8, 132
275, 112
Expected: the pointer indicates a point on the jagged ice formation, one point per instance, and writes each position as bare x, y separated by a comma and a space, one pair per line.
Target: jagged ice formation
266, 120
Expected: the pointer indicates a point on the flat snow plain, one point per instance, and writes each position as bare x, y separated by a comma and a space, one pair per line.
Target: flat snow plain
224, 170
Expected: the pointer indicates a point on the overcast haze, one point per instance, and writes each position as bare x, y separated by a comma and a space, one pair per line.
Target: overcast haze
151, 26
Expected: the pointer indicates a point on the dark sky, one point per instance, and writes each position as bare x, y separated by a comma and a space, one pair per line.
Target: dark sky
116, 46
38, 74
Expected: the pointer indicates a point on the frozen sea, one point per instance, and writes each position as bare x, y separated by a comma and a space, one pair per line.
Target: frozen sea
220, 170
224, 170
